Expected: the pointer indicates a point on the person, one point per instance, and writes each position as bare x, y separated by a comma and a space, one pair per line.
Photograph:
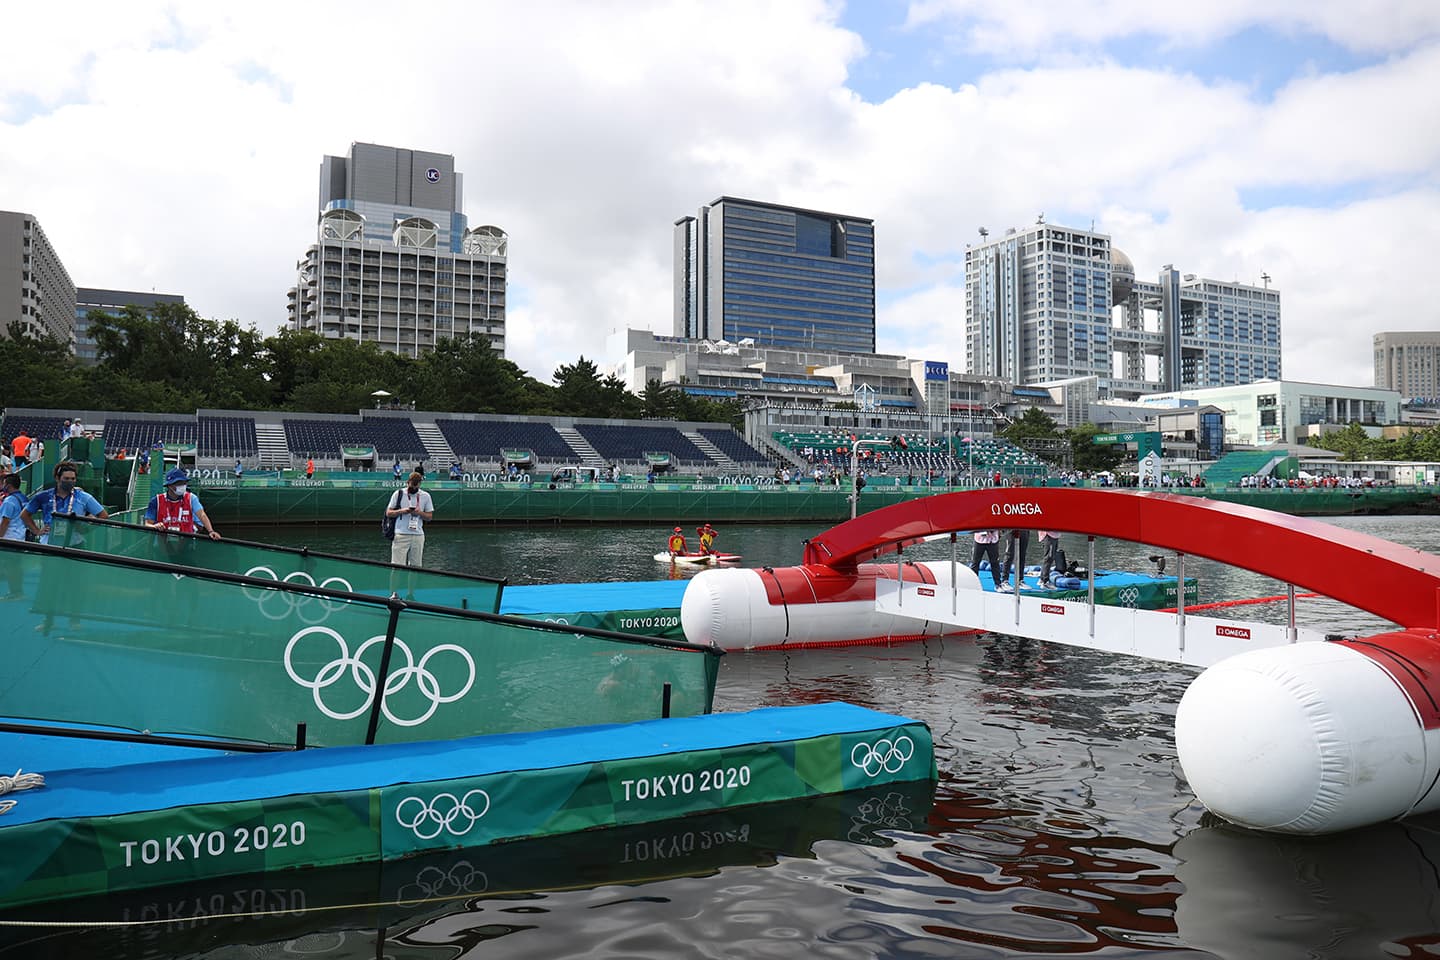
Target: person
6, 464
144, 461
1016, 544
455, 472
177, 508
676, 544
396, 472
11, 506
65, 498
77, 429
1050, 540
986, 549
309, 468
65, 429
707, 538
410, 507
239, 470
20, 447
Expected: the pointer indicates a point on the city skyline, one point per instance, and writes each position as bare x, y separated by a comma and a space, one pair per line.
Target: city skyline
1299, 141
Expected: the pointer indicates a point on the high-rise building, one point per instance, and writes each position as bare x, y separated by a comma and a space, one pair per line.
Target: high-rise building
777, 276
112, 302
1408, 362
36, 291
395, 262
1050, 303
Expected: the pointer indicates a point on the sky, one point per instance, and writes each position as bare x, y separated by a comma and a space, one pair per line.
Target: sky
175, 147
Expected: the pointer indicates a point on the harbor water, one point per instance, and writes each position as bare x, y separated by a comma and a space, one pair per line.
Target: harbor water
1061, 826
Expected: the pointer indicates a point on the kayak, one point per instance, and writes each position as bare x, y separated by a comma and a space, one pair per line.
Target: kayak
696, 558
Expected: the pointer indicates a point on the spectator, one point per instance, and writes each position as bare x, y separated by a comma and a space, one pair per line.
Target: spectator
20, 447
177, 508
65, 498
410, 507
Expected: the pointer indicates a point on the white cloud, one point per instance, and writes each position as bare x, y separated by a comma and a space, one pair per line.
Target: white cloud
179, 149
1005, 27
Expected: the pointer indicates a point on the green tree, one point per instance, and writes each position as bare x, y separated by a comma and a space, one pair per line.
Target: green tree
467, 375
1033, 424
1086, 454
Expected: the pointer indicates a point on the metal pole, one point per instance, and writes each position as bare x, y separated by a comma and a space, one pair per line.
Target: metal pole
1090, 575
1290, 633
384, 672
1019, 570
900, 573
854, 472
1180, 595
954, 578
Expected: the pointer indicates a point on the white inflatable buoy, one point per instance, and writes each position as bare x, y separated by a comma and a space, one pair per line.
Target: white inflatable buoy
1305, 739
803, 606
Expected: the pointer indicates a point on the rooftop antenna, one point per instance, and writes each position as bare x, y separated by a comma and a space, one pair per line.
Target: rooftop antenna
983, 234
1041, 218
1266, 277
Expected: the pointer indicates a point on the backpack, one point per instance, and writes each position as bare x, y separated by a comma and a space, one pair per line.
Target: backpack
387, 522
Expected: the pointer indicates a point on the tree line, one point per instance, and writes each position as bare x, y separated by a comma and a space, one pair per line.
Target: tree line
169, 359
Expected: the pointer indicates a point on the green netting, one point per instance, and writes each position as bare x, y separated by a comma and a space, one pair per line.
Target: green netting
118, 642
279, 563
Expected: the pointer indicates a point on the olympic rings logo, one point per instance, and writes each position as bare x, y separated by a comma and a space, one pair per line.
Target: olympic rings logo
884, 754
442, 814
1128, 596
889, 812
293, 602
426, 681
432, 882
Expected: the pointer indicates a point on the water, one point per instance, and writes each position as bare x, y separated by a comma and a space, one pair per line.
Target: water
1061, 824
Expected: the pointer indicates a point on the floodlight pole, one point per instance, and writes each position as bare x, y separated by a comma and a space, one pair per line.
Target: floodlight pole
855, 446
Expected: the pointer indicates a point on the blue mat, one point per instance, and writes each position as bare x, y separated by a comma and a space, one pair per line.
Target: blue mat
592, 597
106, 790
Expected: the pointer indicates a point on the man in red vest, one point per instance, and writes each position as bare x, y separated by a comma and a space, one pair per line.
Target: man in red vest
178, 509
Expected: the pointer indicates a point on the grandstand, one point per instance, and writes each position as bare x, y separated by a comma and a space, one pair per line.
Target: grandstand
140, 433
392, 437
220, 437
484, 439
226, 437
733, 446
915, 453
629, 444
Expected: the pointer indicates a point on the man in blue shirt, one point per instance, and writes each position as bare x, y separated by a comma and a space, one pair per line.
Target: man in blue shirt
65, 499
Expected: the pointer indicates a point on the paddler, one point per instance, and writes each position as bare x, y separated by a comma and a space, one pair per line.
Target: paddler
676, 545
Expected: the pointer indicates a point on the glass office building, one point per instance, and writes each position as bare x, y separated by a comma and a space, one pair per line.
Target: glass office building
779, 276
114, 303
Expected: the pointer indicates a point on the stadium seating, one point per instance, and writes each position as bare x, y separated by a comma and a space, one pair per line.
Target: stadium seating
734, 446
122, 433
629, 444
226, 437
39, 428
484, 439
392, 437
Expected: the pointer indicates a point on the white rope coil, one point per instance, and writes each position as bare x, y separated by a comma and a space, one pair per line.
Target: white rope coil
20, 781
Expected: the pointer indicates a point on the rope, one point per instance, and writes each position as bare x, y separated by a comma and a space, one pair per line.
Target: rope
1241, 603
21, 781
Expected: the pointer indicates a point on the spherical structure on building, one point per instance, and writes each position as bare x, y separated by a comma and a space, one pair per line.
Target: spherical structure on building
1122, 276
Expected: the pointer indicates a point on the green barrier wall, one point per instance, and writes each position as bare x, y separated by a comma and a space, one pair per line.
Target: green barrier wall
349, 501
278, 563
180, 651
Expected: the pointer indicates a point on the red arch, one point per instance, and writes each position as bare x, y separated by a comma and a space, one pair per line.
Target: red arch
1380, 577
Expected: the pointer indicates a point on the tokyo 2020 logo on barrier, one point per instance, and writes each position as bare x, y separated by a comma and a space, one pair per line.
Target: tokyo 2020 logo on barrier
364, 677
882, 755
443, 813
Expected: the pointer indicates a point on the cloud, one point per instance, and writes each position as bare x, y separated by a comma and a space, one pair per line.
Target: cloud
1006, 28
178, 147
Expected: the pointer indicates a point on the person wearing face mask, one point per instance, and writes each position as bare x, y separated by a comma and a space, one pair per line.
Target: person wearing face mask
410, 507
64, 498
178, 509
